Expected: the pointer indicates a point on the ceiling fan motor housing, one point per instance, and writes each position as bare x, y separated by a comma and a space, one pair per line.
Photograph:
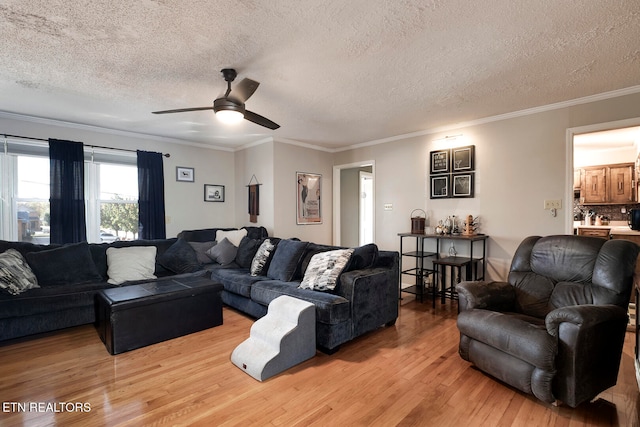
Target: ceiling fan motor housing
221, 104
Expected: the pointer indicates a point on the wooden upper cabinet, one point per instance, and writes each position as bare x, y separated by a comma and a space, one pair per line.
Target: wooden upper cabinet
622, 185
607, 184
577, 179
594, 188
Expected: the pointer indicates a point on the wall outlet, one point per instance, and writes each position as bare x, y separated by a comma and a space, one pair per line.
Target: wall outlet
388, 206
553, 204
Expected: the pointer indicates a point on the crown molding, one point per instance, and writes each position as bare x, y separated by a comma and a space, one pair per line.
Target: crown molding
535, 110
108, 131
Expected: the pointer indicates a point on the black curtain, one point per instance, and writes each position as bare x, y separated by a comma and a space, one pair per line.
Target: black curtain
68, 223
151, 223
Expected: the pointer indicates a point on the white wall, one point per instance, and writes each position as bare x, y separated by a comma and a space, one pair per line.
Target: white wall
520, 162
185, 205
257, 160
289, 159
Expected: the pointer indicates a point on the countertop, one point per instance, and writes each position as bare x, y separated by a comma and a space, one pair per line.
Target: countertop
615, 227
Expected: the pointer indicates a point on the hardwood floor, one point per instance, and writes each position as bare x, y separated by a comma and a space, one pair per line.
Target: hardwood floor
409, 374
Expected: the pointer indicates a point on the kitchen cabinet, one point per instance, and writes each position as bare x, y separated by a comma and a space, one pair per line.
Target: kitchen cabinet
607, 184
577, 179
595, 232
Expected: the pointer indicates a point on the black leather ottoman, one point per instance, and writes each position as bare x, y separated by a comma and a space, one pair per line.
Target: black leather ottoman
134, 316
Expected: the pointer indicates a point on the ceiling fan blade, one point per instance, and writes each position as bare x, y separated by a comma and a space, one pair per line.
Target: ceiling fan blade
182, 110
243, 90
260, 120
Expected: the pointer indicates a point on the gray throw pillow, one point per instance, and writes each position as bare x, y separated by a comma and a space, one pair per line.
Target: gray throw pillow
224, 252
201, 249
15, 274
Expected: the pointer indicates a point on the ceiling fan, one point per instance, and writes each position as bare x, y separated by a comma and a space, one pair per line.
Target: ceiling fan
230, 107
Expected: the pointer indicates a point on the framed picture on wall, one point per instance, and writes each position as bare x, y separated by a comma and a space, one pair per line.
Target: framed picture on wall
213, 193
308, 192
462, 185
184, 174
439, 186
440, 161
462, 158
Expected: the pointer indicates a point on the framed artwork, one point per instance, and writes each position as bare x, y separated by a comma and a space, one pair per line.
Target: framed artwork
213, 193
440, 161
185, 174
439, 186
462, 185
308, 192
462, 158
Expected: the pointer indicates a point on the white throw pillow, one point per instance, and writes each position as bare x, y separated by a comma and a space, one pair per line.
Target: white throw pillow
234, 236
324, 269
131, 263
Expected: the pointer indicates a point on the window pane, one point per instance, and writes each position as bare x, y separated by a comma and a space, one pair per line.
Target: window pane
33, 177
118, 221
33, 199
118, 182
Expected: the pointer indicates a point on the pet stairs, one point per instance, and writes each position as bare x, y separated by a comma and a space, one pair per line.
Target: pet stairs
284, 337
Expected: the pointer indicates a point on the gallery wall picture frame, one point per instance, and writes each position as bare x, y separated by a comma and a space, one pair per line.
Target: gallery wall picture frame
462, 184
462, 159
440, 161
308, 197
439, 186
185, 174
213, 193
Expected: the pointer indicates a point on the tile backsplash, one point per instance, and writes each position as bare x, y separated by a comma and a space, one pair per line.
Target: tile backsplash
613, 212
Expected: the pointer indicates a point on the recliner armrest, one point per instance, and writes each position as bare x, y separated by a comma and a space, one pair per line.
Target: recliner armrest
583, 316
497, 296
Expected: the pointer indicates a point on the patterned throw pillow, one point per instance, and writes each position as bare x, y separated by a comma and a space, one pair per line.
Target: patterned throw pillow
261, 257
324, 269
15, 274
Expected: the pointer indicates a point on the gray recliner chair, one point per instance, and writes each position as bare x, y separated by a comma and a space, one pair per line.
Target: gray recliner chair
556, 329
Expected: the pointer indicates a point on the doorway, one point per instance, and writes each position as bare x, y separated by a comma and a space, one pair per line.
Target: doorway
354, 204
605, 143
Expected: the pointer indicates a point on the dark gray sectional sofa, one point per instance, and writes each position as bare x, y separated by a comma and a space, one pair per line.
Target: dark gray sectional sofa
365, 298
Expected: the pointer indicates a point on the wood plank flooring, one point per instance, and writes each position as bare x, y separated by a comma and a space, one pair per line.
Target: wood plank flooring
406, 375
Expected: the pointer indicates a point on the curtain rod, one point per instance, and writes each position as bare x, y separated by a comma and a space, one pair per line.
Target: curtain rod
86, 145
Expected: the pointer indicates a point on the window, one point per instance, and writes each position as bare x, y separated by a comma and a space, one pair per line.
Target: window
118, 202
111, 194
32, 199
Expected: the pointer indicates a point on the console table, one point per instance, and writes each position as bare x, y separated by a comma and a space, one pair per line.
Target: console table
421, 255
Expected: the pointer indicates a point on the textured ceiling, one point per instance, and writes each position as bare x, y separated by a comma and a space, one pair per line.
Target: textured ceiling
333, 73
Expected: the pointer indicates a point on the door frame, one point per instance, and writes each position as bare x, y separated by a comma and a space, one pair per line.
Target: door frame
571, 132
336, 196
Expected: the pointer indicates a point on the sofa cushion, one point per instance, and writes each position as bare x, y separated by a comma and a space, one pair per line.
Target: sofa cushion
234, 236
256, 232
246, 251
25, 247
224, 252
236, 280
67, 264
262, 258
180, 258
324, 269
285, 259
15, 274
330, 308
363, 257
201, 249
131, 263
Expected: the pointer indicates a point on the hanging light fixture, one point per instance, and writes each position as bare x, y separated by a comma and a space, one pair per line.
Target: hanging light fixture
228, 112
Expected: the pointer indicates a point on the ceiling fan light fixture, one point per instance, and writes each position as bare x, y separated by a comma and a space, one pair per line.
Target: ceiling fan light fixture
229, 117
227, 111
